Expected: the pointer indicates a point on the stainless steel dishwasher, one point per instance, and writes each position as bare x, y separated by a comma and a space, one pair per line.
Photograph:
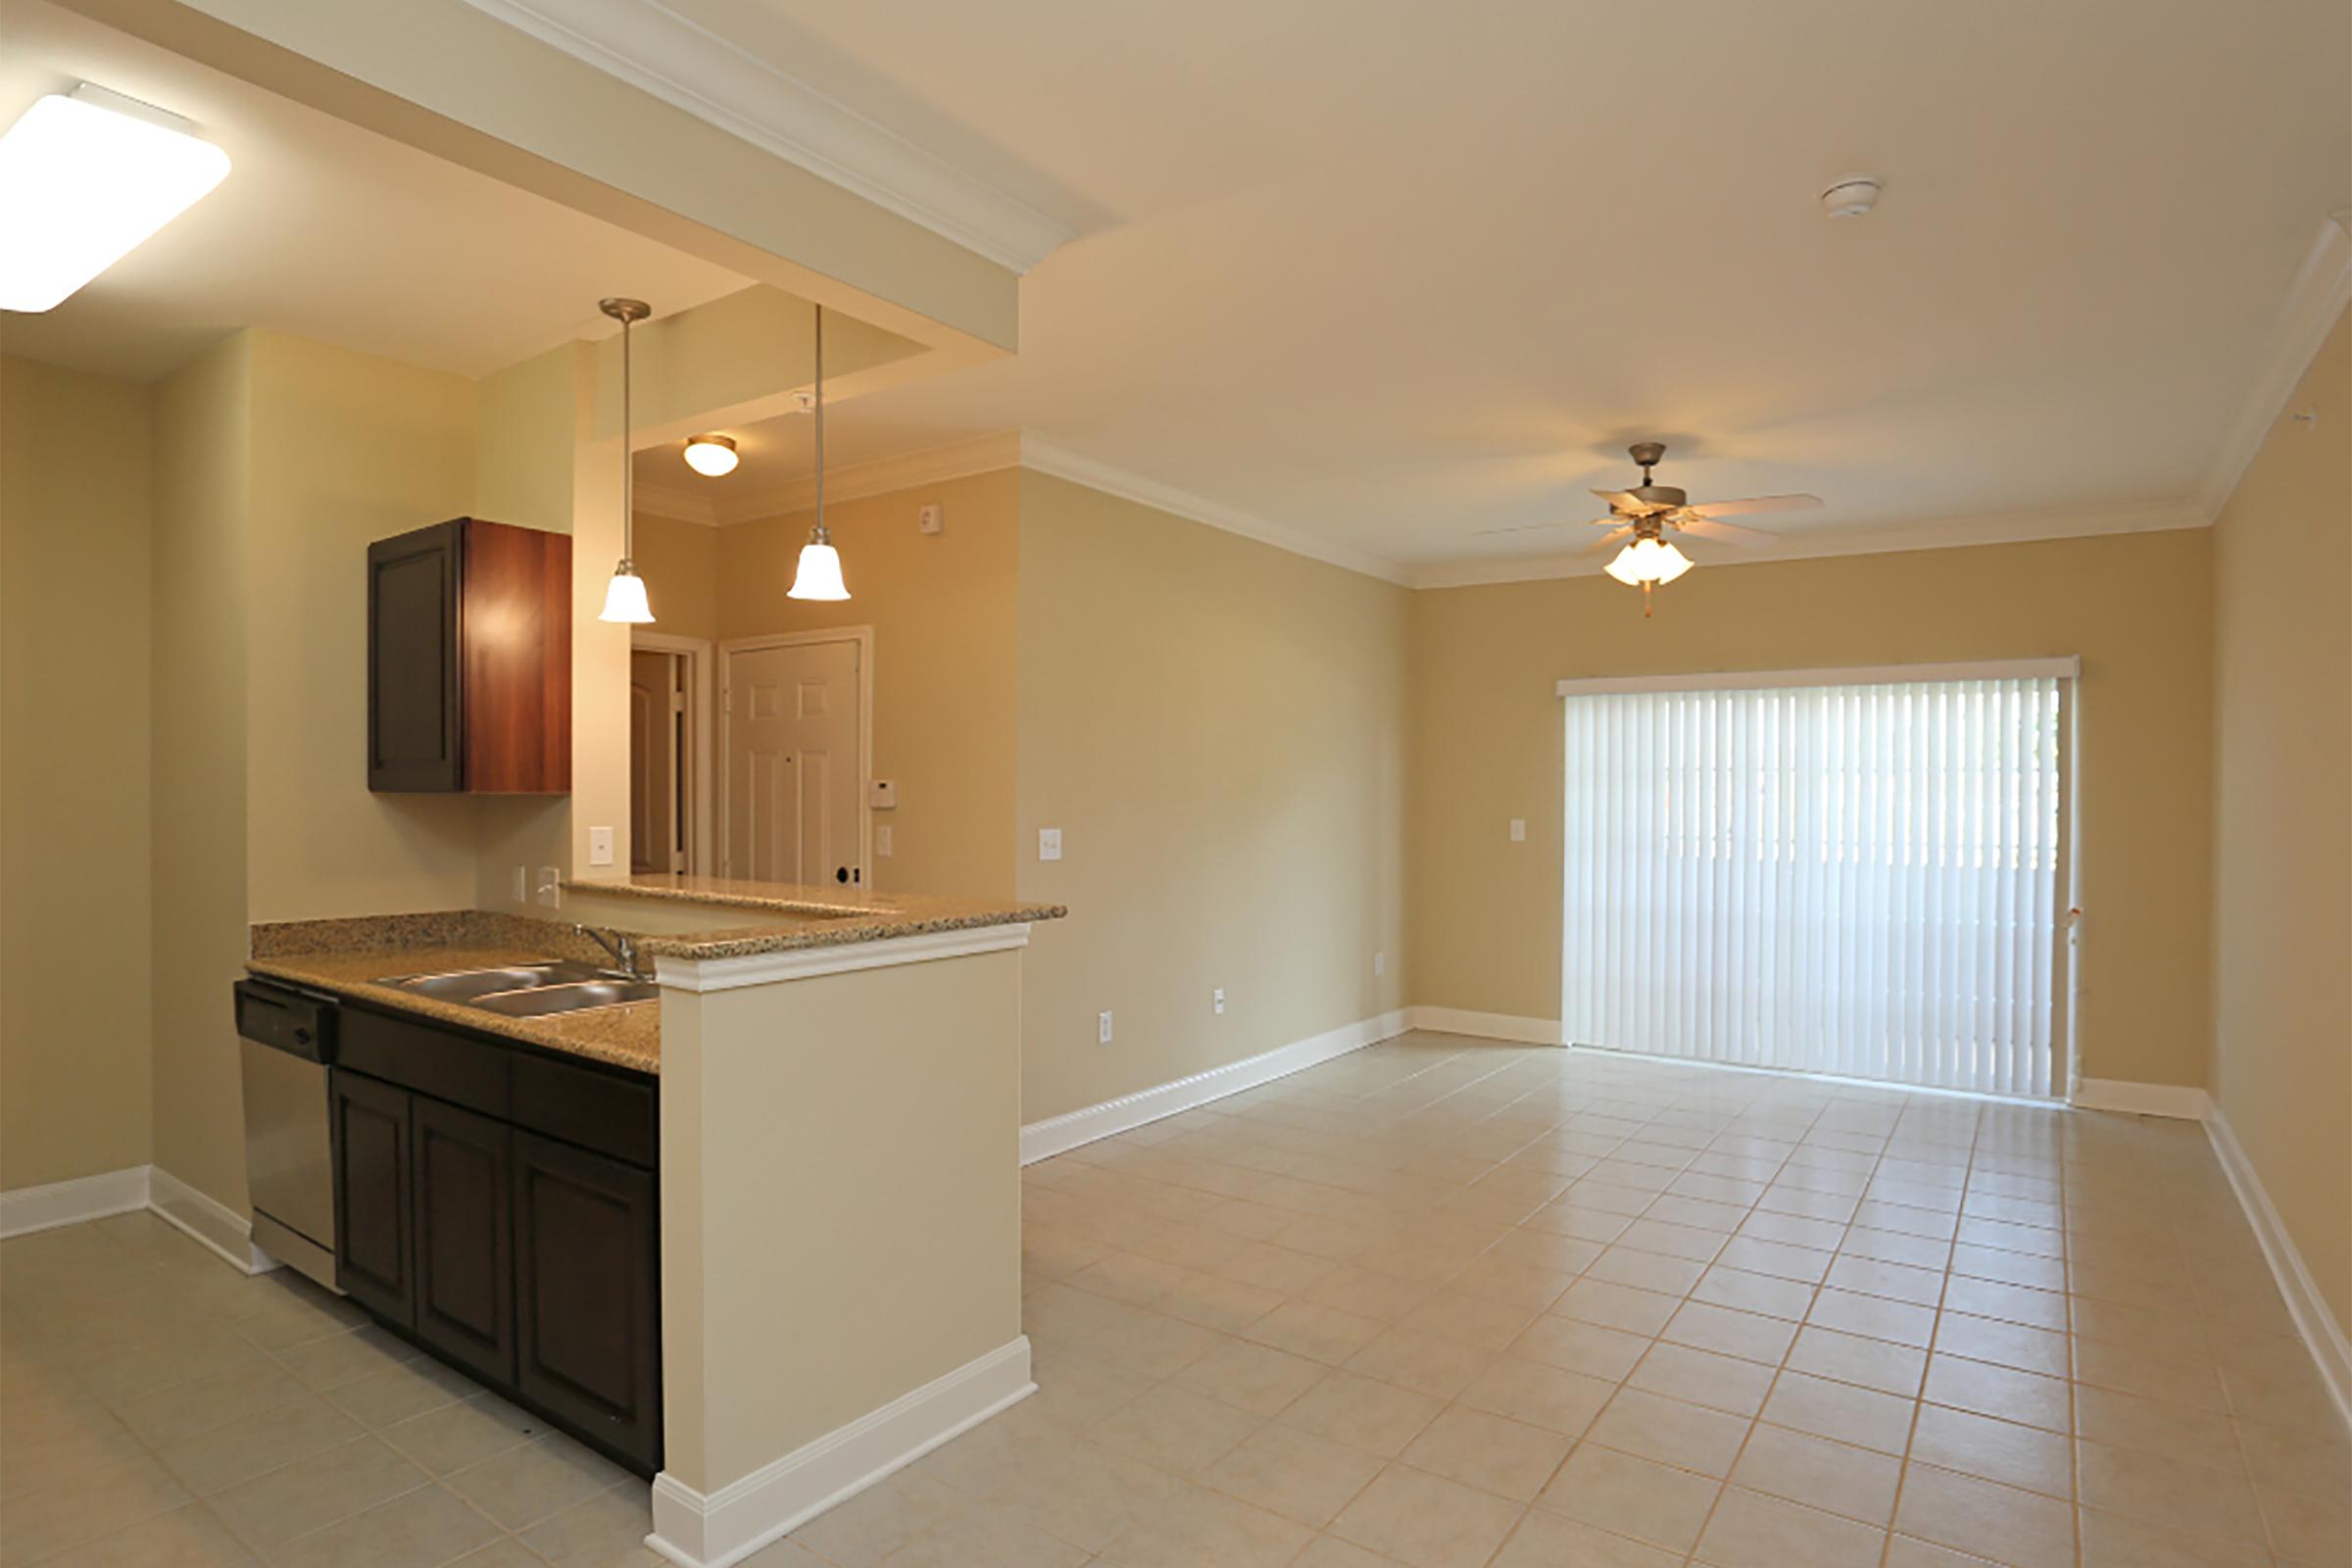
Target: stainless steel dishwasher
288, 1038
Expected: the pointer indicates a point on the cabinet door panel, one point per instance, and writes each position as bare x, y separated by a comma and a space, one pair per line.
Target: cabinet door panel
588, 1338
415, 740
373, 1218
464, 1239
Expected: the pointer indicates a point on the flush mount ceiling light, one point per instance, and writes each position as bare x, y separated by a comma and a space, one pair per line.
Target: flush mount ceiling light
711, 455
625, 595
818, 575
85, 177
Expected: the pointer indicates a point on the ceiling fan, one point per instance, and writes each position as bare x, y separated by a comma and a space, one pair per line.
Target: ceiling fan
1645, 515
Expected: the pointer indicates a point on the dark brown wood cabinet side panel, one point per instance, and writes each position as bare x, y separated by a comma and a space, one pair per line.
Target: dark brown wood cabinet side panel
368, 1130
464, 1222
518, 659
414, 735
588, 1327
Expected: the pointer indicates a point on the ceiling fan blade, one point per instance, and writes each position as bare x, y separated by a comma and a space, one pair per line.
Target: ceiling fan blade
1732, 509
1633, 506
1605, 541
1523, 527
1729, 533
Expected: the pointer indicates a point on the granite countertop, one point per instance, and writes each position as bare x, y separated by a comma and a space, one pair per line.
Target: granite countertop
800, 916
346, 958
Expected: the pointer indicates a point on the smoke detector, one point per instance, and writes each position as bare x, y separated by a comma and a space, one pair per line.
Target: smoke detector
1850, 197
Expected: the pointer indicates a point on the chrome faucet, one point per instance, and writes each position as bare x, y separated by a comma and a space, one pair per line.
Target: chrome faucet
620, 944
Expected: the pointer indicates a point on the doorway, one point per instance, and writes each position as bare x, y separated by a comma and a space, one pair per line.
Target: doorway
797, 715
670, 754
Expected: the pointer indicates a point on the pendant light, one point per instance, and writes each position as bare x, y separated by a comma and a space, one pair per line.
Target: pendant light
1646, 562
819, 573
625, 595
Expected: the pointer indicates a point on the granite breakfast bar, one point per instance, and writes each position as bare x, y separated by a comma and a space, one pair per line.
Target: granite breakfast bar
836, 1076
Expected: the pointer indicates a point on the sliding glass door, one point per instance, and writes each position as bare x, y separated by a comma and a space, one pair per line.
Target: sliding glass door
1857, 879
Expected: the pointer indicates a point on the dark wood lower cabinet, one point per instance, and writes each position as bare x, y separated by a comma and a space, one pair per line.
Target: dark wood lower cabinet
465, 1238
491, 1234
368, 1127
587, 1291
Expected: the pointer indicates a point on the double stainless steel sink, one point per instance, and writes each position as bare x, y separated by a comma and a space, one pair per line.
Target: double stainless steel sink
531, 990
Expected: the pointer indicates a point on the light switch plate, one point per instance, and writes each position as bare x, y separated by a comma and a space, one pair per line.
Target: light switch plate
882, 842
1518, 830
1102, 1027
1049, 846
1216, 1002
550, 885
599, 846
1380, 964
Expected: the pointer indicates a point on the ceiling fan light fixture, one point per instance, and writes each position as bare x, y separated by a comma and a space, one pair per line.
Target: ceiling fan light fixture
712, 456
1648, 560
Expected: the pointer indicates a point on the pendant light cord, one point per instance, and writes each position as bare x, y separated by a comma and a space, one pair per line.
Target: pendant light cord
820, 422
628, 467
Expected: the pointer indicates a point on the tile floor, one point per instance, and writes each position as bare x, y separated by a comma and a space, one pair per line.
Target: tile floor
1438, 1304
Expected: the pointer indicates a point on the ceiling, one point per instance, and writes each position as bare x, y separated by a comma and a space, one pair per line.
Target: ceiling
323, 230
1388, 276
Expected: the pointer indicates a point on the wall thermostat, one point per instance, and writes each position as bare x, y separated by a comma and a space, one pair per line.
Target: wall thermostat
882, 795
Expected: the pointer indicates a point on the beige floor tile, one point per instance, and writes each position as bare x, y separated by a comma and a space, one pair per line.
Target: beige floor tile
1547, 1541
1749, 1529
1750, 1336
1618, 1306
1690, 1437
1857, 1483
1425, 1521
1765, 1294
1489, 1453
1584, 1347
1704, 1377
1226, 1305
2288, 1460
190, 1535
1874, 1317
607, 1531
1879, 1364
419, 1529
464, 1434
1631, 1497
203, 1403
879, 1520
1422, 1362
1863, 1417
215, 1460
1251, 1377
1330, 1552
1480, 1321
1293, 1473
1647, 1271
1537, 1394
985, 1537
1905, 1552
85, 1507
1380, 1418
315, 1492
1198, 1527
2021, 1529
2309, 1529
1153, 1346
400, 1393
1999, 1391
1175, 1429
1325, 1334
2012, 1345
526, 1485
2008, 1452
2112, 1540
2197, 1498
341, 1358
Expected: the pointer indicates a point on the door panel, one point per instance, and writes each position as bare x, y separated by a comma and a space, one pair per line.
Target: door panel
794, 758
413, 704
374, 1220
465, 1238
654, 763
588, 1317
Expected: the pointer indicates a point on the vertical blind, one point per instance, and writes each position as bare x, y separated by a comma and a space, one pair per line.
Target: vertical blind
1857, 879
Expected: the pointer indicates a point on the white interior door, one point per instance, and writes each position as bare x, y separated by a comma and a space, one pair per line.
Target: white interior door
657, 762
795, 788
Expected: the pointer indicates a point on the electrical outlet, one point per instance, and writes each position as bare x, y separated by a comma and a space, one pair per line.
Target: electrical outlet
1380, 964
1216, 1002
882, 842
599, 846
1049, 844
1518, 830
1102, 1027
927, 519
550, 885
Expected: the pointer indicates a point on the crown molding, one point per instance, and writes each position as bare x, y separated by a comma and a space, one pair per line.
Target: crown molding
2321, 288
680, 506
1062, 464
1951, 533
689, 68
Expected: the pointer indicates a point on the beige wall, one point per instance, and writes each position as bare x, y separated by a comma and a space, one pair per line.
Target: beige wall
1487, 742
2283, 752
346, 449
679, 563
202, 464
75, 526
943, 608
1218, 728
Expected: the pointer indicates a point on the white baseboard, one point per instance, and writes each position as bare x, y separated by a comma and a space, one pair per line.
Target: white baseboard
2321, 1331
2140, 1099
26, 1210
208, 1221
1489, 1025
739, 1518
1040, 1139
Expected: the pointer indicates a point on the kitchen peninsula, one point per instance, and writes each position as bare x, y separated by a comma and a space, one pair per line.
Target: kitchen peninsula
835, 1077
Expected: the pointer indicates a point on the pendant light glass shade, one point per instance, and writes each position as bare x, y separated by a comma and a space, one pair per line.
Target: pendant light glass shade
1648, 561
818, 575
625, 595
624, 598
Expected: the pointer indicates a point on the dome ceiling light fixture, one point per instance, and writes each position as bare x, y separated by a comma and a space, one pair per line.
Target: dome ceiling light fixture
625, 595
712, 456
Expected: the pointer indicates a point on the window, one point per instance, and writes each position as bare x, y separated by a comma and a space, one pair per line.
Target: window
1860, 879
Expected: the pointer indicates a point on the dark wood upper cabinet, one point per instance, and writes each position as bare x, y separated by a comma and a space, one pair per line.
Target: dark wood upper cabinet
470, 660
